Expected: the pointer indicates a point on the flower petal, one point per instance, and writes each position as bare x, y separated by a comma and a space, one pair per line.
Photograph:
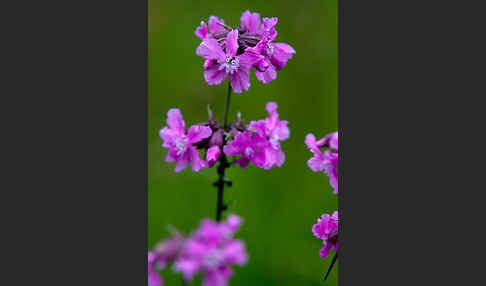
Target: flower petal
324, 252
310, 141
214, 75
197, 162
201, 31
248, 59
259, 159
183, 161
235, 253
197, 133
251, 21
212, 155
215, 278
231, 43
269, 75
281, 54
210, 50
154, 279
269, 28
213, 24
240, 80
175, 121
243, 162
316, 163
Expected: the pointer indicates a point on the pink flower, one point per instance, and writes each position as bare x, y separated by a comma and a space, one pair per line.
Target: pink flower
250, 146
236, 51
275, 55
326, 229
275, 131
212, 250
202, 31
327, 161
154, 278
181, 144
219, 64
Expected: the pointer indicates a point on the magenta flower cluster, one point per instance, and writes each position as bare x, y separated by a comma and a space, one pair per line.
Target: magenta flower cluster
258, 142
210, 250
233, 53
326, 229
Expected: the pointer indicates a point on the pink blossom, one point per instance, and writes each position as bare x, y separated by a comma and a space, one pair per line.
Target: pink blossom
212, 250
327, 161
236, 51
275, 131
219, 64
250, 146
181, 144
275, 55
202, 31
326, 229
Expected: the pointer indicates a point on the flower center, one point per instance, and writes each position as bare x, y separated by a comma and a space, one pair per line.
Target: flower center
213, 259
231, 65
249, 152
181, 145
274, 141
269, 48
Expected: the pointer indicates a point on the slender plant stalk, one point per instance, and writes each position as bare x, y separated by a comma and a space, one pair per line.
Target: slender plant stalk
226, 110
332, 264
223, 164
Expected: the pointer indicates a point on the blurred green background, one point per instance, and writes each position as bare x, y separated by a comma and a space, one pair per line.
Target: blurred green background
279, 206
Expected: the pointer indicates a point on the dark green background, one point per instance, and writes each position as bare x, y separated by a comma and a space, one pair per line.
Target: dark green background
279, 206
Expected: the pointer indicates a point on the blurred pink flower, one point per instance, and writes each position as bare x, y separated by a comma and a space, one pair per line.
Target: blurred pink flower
181, 144
212, 250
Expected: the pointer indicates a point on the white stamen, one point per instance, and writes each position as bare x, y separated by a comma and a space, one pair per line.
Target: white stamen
213, 259
249, 152
181, 146
269, 48
231, 65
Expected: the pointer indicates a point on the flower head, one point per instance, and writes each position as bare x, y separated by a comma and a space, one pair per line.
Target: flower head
326, 229
220, 64
212, 250
250, 146
275, 55
274, 131
234, 52
181, 143
326, 161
